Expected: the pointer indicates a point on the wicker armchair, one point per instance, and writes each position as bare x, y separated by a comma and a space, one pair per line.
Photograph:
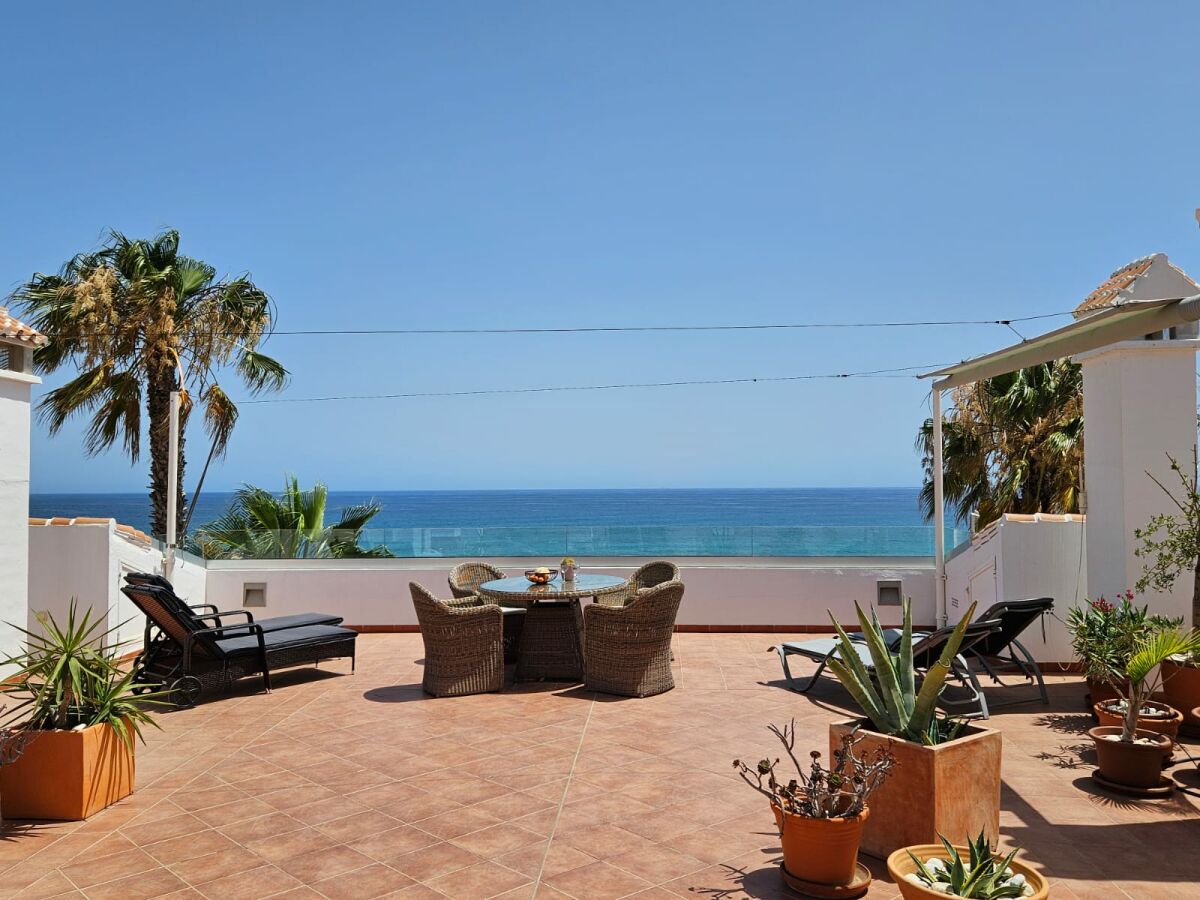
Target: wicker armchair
464, 646
649, 575
627, 649
465, 579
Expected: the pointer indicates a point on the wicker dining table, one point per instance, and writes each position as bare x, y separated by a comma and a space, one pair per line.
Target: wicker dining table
551, 645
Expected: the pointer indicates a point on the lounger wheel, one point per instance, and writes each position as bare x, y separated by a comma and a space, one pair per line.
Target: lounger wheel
185, 691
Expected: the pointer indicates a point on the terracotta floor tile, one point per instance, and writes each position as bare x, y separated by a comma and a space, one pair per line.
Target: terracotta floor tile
494, 840
292, 843
433, 861
457, 822
657, 863
253, 884
376, 880
154, 883
597, 881
211, 866
385, 845
479, 882
313, 866
261, 827
109, 868
188, 846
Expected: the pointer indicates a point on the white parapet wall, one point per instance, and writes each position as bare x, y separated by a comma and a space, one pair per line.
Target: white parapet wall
86, 560
755, 594
1019, 558
14, 505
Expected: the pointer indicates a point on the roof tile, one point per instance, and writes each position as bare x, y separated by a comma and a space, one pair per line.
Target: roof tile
14, 329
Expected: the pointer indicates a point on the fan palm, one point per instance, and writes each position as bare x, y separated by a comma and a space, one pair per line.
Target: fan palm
139, 320
260, 525
1013, 443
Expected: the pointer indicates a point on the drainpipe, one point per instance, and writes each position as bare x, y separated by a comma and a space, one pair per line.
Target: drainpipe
172, 484
939, 511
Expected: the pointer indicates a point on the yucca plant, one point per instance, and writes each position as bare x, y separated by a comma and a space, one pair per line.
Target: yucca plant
1150, 652
892, 700
68, 677
983, 876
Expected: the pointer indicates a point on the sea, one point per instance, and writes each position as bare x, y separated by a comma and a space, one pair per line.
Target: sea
636, 522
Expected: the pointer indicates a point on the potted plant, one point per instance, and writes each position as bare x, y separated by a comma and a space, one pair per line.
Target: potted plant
1171, 547
820, 813
955, 766
1104, 635
77, 708
1130, 757
933, 870
1181, 685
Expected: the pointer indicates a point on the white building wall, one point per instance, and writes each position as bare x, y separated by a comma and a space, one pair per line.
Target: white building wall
1139, 404
756, 594
88, 562
1020, 560
14, 505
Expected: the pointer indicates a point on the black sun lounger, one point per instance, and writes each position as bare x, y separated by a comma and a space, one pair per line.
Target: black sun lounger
927, 648
186, 651
1001, 649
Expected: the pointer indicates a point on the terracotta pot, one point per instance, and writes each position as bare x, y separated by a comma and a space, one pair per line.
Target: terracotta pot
1135, 765
1099, 691
1181, 684
67, 775
1168, 725
951, 788
823, 851
900, 864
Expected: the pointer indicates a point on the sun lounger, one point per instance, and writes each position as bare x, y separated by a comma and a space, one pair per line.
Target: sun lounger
927, 648
1001, 649
187, 652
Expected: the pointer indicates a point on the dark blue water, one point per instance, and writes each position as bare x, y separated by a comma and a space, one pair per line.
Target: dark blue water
725, 522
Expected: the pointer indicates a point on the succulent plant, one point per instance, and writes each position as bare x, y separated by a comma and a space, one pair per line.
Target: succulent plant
895, 706
983, 876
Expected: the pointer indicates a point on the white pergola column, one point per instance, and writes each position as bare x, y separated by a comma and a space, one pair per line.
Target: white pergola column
1139, 404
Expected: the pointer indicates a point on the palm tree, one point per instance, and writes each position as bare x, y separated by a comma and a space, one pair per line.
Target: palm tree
1013, 443
260, 525
139, 320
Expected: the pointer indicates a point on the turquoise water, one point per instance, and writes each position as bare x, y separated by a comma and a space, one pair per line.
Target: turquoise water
589, 523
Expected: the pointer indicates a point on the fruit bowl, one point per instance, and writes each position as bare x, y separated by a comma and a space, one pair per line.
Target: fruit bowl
540, 576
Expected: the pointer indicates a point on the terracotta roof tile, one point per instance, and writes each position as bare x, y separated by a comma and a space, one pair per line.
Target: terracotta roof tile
126, 531
1152, 277
14, 329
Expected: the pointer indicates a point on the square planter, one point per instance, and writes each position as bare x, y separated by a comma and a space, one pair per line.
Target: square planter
952, 788
67, 775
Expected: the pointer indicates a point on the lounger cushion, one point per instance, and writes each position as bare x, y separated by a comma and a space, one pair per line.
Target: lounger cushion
277, 623
308, 634
820, 648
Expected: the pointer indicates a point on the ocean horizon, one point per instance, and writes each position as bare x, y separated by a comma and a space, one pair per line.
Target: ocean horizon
594, 522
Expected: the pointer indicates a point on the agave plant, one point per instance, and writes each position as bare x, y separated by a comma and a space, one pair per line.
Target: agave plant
68, 676
983, 876
1151, 651
892, 700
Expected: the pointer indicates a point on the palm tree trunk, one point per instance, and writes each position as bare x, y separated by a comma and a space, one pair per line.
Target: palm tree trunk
158, 407
1196, 596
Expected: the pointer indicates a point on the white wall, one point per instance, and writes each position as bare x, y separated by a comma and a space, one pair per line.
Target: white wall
88, 562
1020, 560
14, 505
1139, 404
720, 592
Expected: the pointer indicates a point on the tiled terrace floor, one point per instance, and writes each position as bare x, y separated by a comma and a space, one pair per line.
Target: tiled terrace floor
358, 787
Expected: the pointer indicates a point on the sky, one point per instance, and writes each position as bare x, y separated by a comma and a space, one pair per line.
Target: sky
499, 165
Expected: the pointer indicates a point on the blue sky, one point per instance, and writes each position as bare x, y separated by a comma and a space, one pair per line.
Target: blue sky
428, 165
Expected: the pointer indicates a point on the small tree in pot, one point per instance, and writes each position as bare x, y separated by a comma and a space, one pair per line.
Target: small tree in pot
1129, 756
820, 812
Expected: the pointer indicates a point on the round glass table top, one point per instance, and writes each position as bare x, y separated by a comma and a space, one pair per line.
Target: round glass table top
582, 586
